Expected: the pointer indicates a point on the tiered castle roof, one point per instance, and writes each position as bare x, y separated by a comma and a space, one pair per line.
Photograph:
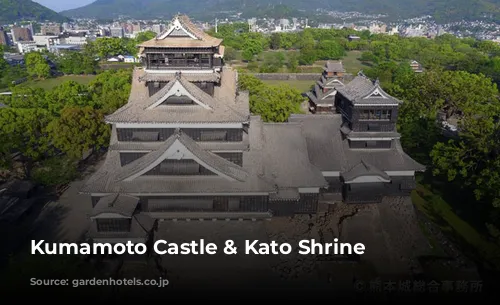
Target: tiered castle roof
364, 91
329, 150
265, 169
224, 106
182, 33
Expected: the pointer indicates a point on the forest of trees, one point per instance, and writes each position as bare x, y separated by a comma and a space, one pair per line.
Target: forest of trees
380, 50
50, 131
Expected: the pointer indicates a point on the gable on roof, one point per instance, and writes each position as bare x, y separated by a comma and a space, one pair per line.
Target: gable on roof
181, 151
181, 33
363, 91
364, 172
331, 66
181, 92
333, 82
176, 94
329, 94
177, 29
115, 206
376, 93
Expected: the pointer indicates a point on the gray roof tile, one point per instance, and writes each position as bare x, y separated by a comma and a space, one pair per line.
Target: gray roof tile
116, 204
222, 165
330, 152
286, 157
323, 140
226, 105
334, 66
359, 91
266, 166
363, 169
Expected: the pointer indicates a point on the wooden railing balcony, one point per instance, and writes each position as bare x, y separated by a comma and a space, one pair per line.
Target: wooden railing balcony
180, 63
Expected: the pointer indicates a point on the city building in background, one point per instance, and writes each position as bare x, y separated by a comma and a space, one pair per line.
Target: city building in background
21, 34
51, 29
158, 28
117, 32
4, 38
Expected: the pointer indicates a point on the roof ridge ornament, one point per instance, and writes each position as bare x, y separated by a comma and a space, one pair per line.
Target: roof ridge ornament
377, 82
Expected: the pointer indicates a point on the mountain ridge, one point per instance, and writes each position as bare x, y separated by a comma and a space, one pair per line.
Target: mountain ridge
17, 10
445, 10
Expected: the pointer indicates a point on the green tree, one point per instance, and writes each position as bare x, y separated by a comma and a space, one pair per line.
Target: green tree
275, 41
37, 65
105, 47
27, 97
69, 93
474, 158
78, 130
273, 62
110, 89
308, 53
56, 171
23, 131
275, 103
292, 62
272, 103
230, 54
144, 36
77, 63
251, 47
330, 49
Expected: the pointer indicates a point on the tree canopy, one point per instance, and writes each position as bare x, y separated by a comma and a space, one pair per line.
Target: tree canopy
37, 125
272, 103
36, 65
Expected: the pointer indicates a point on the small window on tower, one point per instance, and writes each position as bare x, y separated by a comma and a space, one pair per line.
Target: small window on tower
213, 135
147, 136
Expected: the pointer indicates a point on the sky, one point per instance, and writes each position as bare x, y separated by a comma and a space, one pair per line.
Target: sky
61, 5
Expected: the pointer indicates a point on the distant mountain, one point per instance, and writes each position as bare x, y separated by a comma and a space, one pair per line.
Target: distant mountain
17, 10
442, 10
